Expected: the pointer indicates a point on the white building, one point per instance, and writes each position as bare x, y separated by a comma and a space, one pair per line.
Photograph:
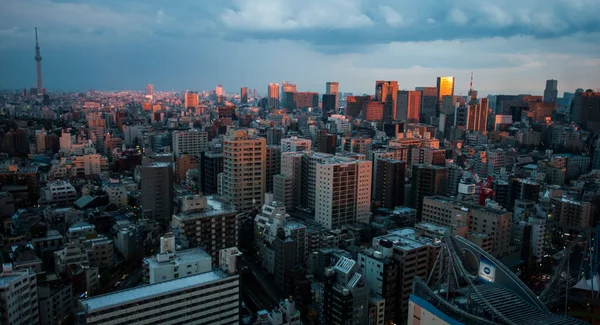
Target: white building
294, 144
191, 142
66, 139
169, 264
207, 298
18, 297
343, 191
116, 191
58, 192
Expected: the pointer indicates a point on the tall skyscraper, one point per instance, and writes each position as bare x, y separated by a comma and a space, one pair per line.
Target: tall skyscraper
149, 90
244, 169
429, 102
273, 95
586, 108
356, 104
409, 106
38, 60
445, 87
244, 95
387, 92
156, 187
332, 88
551, 91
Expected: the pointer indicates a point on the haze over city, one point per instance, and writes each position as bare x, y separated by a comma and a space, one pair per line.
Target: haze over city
113, 45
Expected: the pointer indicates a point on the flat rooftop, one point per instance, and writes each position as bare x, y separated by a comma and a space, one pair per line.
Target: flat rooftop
181, 257
214, 206
152, 290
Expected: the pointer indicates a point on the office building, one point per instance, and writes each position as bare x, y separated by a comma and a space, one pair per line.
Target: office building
328, 104
244, 169
445, 87
274, 136
192, 142
116, 191
18, 297
343, 191
295, 144
373, 111
55, 302
429, 101
287, 94
586, 108
427, 156
327, 142
570, 216
355, 105
212, 166
409, 106
156, 191
273, 95
390, 182
386, 92
301, 100
191, 100
551, 91
332, 88
427, 180
207, 298
309, 177
478, 115
244, 95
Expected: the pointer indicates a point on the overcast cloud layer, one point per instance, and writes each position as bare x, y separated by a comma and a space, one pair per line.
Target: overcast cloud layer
511, 46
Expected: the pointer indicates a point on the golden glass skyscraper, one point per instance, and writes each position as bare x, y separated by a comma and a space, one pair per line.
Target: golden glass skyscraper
445, 86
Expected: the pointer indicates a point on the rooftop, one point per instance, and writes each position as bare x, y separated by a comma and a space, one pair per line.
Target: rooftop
152, 290
181, 257
214, 206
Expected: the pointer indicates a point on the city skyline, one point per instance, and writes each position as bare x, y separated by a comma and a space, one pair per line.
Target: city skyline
111, 46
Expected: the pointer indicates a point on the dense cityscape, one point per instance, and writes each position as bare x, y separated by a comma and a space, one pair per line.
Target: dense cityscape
281, 206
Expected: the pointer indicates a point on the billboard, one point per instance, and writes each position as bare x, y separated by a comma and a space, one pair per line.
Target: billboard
487, 270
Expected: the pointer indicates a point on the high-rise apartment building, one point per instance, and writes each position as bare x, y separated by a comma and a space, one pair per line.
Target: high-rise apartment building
570, 216
206, 222
387, 92
309, 177
244, 169
427, 156
272, 165
332, 88
191, 142
346, 295
156, 191
409, 106
19, 296
287, 186
273, 95
183, 164
343, 191
244, 95
445, 87
390, 182
295, 144
551, 91
356, 144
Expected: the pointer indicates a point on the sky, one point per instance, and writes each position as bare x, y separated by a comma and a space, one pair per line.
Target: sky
510, 46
